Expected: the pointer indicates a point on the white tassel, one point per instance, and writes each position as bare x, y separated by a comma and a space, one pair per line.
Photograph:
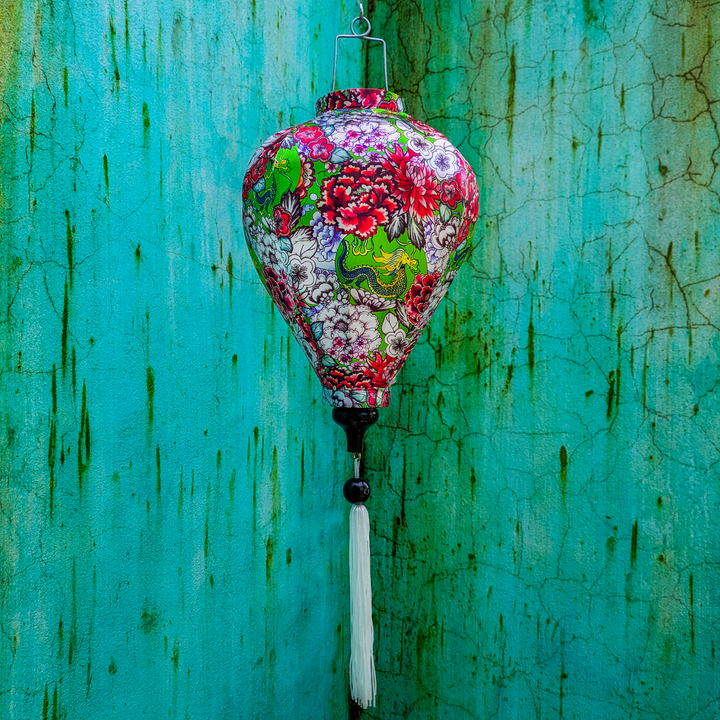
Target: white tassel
362, 665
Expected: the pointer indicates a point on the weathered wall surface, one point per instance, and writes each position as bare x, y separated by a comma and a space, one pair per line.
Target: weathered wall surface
546, 497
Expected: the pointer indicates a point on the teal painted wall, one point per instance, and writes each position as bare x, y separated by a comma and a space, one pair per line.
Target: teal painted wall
544, 520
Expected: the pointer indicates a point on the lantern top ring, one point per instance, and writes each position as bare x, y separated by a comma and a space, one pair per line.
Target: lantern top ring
367, 29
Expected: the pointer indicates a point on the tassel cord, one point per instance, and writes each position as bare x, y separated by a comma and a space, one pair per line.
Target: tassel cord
363, 686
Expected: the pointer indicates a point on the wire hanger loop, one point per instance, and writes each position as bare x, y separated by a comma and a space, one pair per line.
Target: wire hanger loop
364, 35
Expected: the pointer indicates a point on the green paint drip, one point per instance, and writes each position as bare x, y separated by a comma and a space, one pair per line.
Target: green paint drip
158, 476
54, 390
269, 550
72, 643
116, 71
176, 655
146, 125
83, 444
70, 241
32, 124
64, 331
127, 30
691, 612
512, 80
74, 378
441, 605
150, 386
611, 394
531, 343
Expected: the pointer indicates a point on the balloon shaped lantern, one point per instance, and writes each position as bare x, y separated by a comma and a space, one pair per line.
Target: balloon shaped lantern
357, 222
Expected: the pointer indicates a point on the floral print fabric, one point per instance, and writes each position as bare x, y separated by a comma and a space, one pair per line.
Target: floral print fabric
357, 222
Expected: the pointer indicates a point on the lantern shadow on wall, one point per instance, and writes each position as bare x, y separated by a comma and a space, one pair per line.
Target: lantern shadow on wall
357, 222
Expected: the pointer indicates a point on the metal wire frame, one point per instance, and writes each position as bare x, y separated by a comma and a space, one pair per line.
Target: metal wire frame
364, 35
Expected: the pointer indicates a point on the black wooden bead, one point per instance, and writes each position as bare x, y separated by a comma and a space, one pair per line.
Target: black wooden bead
356, 490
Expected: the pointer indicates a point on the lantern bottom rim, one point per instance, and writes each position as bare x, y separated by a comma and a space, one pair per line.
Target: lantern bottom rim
360, 398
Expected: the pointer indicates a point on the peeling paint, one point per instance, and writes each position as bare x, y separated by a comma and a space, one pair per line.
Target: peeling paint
544, 477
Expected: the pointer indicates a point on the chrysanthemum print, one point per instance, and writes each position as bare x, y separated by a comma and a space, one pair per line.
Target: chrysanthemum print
357, 222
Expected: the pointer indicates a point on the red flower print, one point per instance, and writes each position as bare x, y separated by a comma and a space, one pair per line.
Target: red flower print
451, 193
376, 99
418, 188
370, 98
282, 221
308, 133
357, 200
427, 129
391, 105
254, 173
308, 334
259, 167
418, 296
462, 233
339, 379
361, 219
333, 195
379, 196
306, 179
320, 149
279, 288
318, 146
359, 98
472, 207
378, 370
247, 184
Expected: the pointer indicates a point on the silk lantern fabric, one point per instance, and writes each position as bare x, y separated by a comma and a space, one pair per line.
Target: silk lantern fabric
357, 222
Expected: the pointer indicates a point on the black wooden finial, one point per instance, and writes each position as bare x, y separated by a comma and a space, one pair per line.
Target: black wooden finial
355, 421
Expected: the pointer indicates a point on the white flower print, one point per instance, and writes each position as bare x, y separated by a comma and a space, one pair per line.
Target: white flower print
441, 238
326, 285
302, 264
337, 398
267, 247
302, 273
349, 332
308, 349
250, 224
328, 237
357, 134
444, 159
395, 336
374, 302
420, 144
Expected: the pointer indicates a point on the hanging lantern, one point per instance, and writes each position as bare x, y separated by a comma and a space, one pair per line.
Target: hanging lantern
357, 222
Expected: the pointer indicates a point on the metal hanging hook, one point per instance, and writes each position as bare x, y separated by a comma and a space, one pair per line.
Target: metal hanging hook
364, 35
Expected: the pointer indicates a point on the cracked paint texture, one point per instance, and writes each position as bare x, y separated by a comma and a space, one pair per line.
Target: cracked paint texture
546, 479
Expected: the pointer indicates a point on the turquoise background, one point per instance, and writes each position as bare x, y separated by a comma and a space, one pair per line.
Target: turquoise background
545, 512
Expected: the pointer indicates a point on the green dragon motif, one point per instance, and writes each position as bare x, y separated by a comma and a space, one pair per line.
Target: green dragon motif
265, 195
391, 263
